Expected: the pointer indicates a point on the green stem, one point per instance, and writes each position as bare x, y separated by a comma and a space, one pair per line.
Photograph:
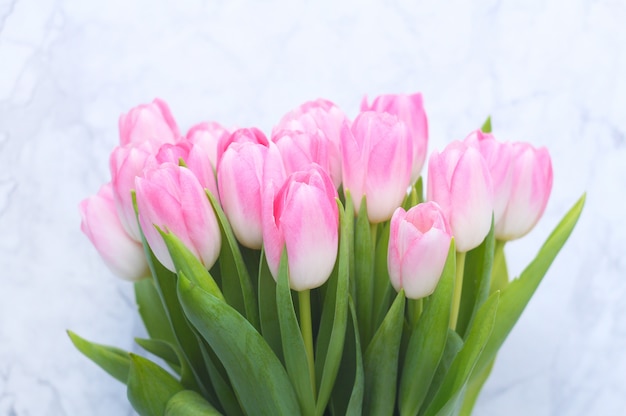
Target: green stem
304, 298
500, 274
415, 307
458, 288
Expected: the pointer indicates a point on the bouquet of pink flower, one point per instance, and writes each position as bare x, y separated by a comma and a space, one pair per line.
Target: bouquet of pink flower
306, 273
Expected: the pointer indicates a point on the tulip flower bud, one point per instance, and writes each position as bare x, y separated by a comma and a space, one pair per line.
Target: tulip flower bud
302, 216
320, 118
419, 241
195, 158
459, 181
126, 163
530, 190
171, 198
410, 110
207, 135
151, 123
498, 156
240, 172
377, 160
123, 255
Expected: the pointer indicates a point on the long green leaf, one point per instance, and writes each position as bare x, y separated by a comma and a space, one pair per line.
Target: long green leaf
330, 348
189, 403
113, 360
221, 383
268, 312
257, 376
518, 293
152, 311
293, 343
381, 361
427, 342
364, 272
476, 281
236, 281
150, 387
448, 398
164, 350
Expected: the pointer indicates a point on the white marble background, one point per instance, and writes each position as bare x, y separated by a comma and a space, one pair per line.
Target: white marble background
550, 72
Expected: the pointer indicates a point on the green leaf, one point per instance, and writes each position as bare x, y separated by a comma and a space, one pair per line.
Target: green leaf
189, 403
163, 350
364, 272
476, 382
381, 361
268, 312
476, 281
152, 311
383, 291
499, 272
296, 360
150, 387
220, 382
486, 128
518, 293
332, 331
236, 280
428, 341
448, 398
113, 360
257, 376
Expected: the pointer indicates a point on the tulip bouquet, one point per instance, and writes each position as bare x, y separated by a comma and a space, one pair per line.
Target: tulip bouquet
306, 273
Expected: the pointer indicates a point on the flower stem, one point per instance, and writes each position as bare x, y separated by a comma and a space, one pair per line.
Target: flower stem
304, 298
458, 288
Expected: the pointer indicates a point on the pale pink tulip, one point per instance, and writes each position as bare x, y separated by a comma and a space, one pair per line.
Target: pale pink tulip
302, 216
171, 198
377, 163
459, 181
419, 241
126, 163
410, 110
195, 158
123, 255
240, 173
325, 120
530, 190
498, 156
151, 123
207, 135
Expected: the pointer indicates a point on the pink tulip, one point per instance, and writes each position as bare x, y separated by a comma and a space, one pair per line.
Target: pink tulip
126, 163
100, 223
207, 135
377, 163
498, 156
303, 217
171, 198
419, 241
240, 173
530, 190
152, 123
195, 158
459, 181
324, 119
410, 110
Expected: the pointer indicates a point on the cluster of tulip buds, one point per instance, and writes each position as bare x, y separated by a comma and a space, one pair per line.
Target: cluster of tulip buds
334, 211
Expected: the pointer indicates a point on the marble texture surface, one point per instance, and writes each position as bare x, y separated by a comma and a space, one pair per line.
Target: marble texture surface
550, 72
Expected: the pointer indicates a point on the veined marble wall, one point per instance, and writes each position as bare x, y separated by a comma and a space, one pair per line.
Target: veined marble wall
549, 72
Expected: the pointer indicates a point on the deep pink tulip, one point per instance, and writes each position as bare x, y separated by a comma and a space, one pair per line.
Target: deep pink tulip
410, 110
100, 223
152, 123
240, 173
303, 217
171, 198
377, 163
530, 190
207, 135
459, 181
126, 163
325, 120
195, 158
418, 247
498, 156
